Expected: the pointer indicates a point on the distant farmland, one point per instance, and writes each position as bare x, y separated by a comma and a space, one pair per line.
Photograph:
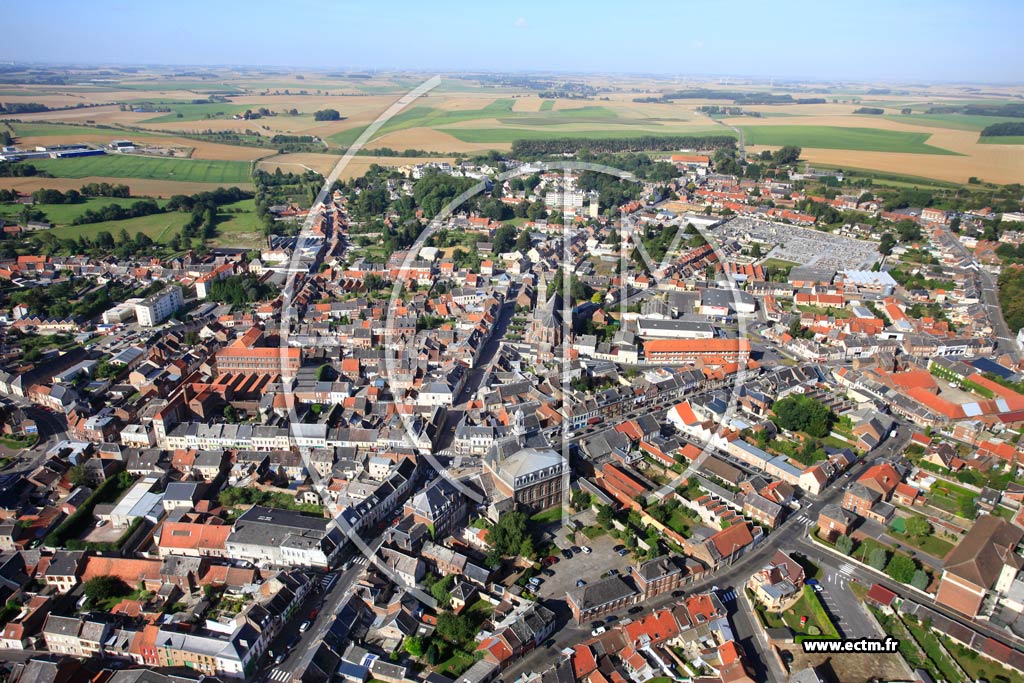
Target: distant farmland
854, 139
134, 166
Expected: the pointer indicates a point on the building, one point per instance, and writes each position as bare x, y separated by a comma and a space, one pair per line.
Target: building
982, 566
157, 308
834, 521
662, 574
270, 537
597, 599
258, 360
441, 507
531, 477
691, 351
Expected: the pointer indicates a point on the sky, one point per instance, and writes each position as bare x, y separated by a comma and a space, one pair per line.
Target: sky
870, 40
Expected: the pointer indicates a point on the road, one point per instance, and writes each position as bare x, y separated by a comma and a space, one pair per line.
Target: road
328, 605
990, 297
786, 537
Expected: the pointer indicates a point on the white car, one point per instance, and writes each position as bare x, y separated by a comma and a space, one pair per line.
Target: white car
598, 631
586, 549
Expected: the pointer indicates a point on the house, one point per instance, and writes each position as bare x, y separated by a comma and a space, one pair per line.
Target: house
834, 521
881, 597
981, 567
659, 575
778, 584
600, 598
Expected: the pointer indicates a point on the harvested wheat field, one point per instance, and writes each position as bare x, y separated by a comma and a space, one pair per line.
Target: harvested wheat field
140, 187
430, 140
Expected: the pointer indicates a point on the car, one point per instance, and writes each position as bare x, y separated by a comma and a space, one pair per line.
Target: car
580, 583
613, 572
811, 582
819, 588
598, 631
536, 581
636, 609
280, 658
567, 554
313, 613
596, 624
575, 549
549, 560
678, 594
586, 550
101, 523
803, 620
623, 552
305, 626
619, 547
547, 572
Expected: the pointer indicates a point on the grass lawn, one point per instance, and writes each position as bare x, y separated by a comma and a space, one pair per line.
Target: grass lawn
239, 225
137, 166
933, 545
63, 214
978, 667
548, 516
160, 227
834, 137
778, 263
547, 105
455, 665
680, 523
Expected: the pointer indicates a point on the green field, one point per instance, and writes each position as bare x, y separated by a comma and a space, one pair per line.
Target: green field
1001, 140
160, 227
199, 112
63, 214
507, 135
834, 137
135, 166
23, 130
547, 105
242, 229
951, 121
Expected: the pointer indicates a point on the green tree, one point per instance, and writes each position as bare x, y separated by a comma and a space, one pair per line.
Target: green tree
901, 568
413, 645
878, 558
76, 475
920, 580
103, 588
455, 628
918, 527
605, 516
441, 591
801, 413
886, 243
844, 544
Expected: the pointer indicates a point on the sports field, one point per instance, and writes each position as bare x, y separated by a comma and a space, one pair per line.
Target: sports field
134, 166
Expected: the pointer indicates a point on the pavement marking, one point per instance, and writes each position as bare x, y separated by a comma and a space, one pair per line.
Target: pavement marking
729, 596
847, 569
279, 675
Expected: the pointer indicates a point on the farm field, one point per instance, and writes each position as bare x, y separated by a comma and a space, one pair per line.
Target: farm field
952, 121
858, 139
125, 166
64, 214
140, 187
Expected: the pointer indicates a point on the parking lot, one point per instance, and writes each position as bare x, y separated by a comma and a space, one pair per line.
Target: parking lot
588, 567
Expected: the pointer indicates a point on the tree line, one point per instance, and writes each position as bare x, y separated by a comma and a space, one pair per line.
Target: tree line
537, 148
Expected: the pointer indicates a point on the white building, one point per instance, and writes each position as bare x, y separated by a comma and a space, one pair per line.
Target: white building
154, 310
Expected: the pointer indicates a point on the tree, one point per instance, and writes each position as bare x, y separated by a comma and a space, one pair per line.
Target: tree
920, 580
605, 516
440, 591
103, 588
455, 628
76, 475
413, 645
844, 544
581, 499
508, 534
901, 568
878, 558
801, 413
886, 243
918, 527
327, 115
786, 155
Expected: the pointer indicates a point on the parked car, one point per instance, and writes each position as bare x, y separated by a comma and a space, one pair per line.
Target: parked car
580, 583
586, 549
305, 626
623, 552
547, 572
636, 609
567, 554
598, 631
280, 658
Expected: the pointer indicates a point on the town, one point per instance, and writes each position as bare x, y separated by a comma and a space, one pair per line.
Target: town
511, 349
